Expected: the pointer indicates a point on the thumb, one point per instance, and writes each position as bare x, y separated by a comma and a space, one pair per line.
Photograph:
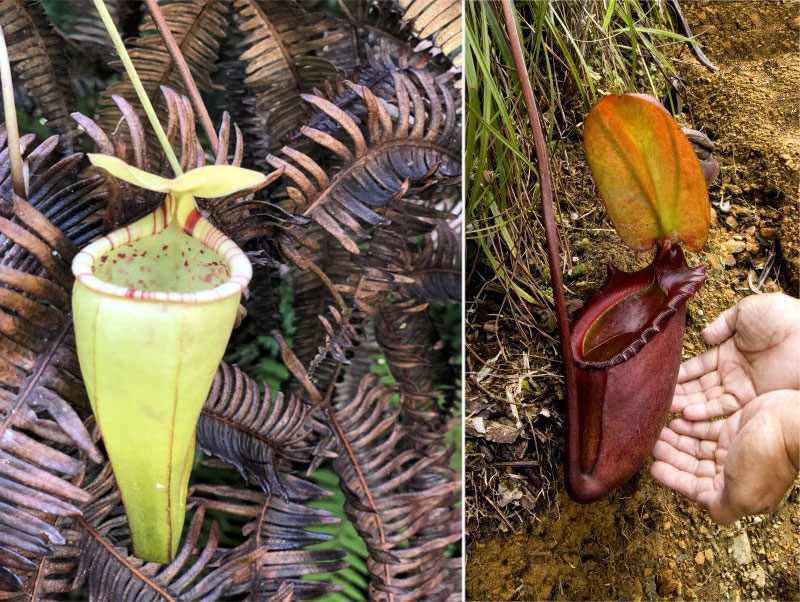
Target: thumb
722, 328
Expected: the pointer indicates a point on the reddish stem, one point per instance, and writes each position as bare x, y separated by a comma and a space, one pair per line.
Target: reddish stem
553, 251
183, 69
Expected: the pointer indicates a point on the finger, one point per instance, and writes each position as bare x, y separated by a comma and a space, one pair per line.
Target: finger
722, 328
704, 383
724, 405
680, 402
699, 448
711, 499
684, 483
708, 430
698, 366
682, 461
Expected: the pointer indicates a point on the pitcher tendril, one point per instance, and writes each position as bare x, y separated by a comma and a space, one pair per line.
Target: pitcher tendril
119, 46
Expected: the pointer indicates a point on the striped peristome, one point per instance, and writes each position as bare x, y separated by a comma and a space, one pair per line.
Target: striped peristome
194, 225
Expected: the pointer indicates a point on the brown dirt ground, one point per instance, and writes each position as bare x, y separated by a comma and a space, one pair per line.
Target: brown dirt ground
645, 542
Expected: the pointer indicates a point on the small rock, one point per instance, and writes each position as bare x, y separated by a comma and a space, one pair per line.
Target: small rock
735, 246
731, 221
700, 558
757, 576
709, 554
794, 24
668, 585
741, 549
768, 233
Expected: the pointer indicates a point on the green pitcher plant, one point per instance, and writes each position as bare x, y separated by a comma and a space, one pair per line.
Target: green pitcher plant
154, 304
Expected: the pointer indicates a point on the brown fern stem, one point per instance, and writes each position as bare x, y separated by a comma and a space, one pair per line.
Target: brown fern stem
186, 74
362, 480
553, 251
112, 551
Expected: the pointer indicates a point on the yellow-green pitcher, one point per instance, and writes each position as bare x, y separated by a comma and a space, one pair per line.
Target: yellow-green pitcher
154, 304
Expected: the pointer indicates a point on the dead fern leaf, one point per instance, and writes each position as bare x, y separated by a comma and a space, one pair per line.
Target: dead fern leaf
439, 21
39, 375
413, 145
251, 431
198, 26
278, 533
377, 471
38, 62
87, 29
288, 51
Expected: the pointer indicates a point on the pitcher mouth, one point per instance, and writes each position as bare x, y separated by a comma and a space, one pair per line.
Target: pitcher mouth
648, 298
193, 224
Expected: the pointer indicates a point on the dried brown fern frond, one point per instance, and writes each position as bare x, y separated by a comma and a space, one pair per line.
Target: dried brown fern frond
230, 75
435, 272
231, 214
87, 29
39, 64
394, 266
40, 432
377, 468
333, 270
251, 431
110, 573
378, 24
416, 358
419, 143
277, 532
439, 21
362, 359
376, 73
54, 574
288, 51
198, 26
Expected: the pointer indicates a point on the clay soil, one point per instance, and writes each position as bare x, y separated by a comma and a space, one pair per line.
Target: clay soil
529, 541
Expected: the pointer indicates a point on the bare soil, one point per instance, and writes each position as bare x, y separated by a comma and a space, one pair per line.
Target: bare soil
528, 540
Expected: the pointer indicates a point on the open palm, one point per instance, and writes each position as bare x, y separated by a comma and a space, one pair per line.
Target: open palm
757, 346
739, 464
735, 466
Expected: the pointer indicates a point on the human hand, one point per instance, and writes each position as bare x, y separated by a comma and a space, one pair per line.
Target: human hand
740, 465
757, 346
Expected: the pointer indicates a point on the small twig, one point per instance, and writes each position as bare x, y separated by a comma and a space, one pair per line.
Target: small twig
186, 74
499, 513
295, 366
12, 130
